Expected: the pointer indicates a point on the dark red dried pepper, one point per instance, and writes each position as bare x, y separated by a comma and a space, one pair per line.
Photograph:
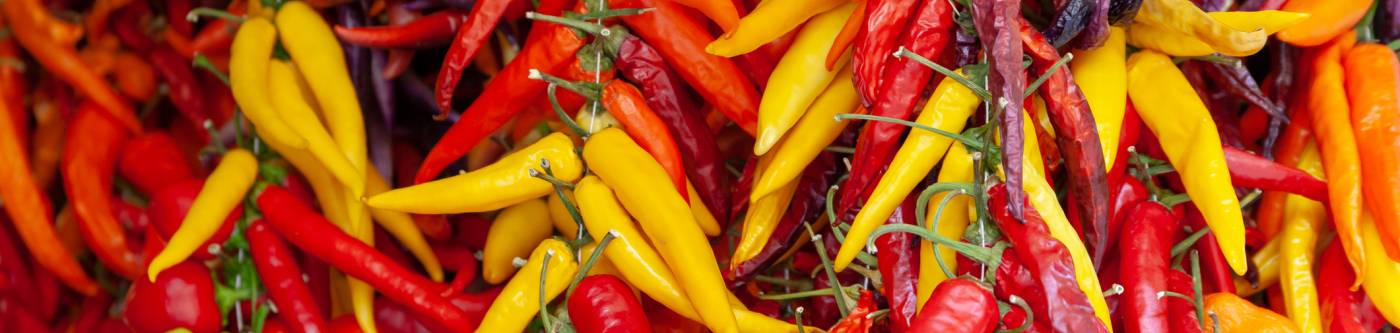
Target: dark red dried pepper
1006, 82
885, 21
1049, 262
898, 257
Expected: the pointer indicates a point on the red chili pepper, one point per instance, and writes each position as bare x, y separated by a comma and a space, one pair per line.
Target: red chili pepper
667, 96
16, 269
427, 31
1049, 262
1343, 309
958, 305
1145, 254
885, 21
314, 234
170, 205
129, 29
898, 257
604, 304
806, 206
1182, 313
681, 39
175, 11
153, 161
179, 77
181, 297
466, 270
1127, 137
1006, 82
484, 16
1216, 275
89, 162
1128, 194
1253, 171
282, 277
857, 320
1013, 279
549, 50
216, 36
929, 35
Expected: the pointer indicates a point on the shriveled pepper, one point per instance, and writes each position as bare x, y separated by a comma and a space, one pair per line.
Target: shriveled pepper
551, 263
515, 232
897, 259
858, 320
1326, 20
1328, 109
1373, 91
249, 59
1179, 28
769, 22
508, 180
1238, 315
962, 305
89, 162
1180, 120
223, 192
800, 76
885, 21
809, 136
626, 167
947, 109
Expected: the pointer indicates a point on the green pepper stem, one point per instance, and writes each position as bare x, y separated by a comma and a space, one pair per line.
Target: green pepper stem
592, 91
544, 281
564, 116
592, 259
969, 142
976, 88
827, 266
572, 23
203, 62
195, 13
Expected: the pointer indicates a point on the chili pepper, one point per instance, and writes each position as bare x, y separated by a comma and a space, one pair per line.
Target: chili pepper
1344, 310
626, 103
1124, 197
431, 30
637, 261
514, 233
36, 15
947, 109
1182, 313
1326, 20
403, 228
184, 88
248, 68
89, 161
27, 20
898, 266
847, 35
1337, 141
722, 12
767, 23
508, 179
1005, 81
216, 35
858, 320
1163, 98
957, 168
962, 306
929, 35
1101, 76
1373, 86
681, 40
282, 276
1238, 315
1379, 270
1269, 215
808, 137
885, 22
521, 297
129, 28
625, 166
1179, 28
169, 206
763, 217
799, 78
1145, 251
1305, 219
182, 297
603, 303
810, 195
482, 21
312, 233
223, 193
553, 47
665, 93
1253, 171
294, 110
1050, 263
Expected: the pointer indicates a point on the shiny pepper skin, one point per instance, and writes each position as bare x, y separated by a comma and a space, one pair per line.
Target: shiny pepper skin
604, 304
959, 305
508, 182
181, 297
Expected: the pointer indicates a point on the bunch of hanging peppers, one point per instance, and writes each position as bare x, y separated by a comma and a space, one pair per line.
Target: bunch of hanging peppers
699, 166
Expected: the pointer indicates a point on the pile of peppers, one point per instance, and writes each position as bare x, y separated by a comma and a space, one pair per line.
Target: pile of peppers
841, 166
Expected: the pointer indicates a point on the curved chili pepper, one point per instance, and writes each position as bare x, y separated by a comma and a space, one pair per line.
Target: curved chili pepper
312, 233
1101, 75
153, 161
763, 216
182, 297
1337, 140
51, 27
1269, 214
89, 162
1006, 82
250, 57
899, 268
1249, 170
222, 194
799, 78
666, 94
885, 22
681, 39
1181, 312
929, 35
603, 303
428, 31
1049, 262
1326, 20
1238, 315
548, 50
1304, 220
767, 23
1180, 28
403, 227
722, 12
961, 306
627, 104
1373, 87
508, 179
484, 15
521, 298
957, 168
282, 276
169, 206
1344, 310
184, 88
1145, 251
810, 196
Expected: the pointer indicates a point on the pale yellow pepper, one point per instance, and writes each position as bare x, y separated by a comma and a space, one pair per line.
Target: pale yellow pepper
512, 235
1304, 219
799, 77
498, 185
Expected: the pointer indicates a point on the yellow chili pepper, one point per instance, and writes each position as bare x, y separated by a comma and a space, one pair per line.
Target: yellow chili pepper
1239, 315
559, 215
1179, 28
662, 214
799, 77
501, 184
307, 37
222, 193
1102, 75
810, 135
1266, 260
768, 22
707, 222
293, 108
947, 109
1303, 220
513, 233
1171, 109
759, 222
362, 303
602, 266
1381, 272
957, 168
249, 56
401, 226
519, 301
1042, 198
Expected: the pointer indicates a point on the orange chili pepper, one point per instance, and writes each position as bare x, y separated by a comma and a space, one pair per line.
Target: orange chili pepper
135, 77
1373, 85
59, 31
722, 12
1326, 20
847, 35
1327, 104
89, 163
1287, 150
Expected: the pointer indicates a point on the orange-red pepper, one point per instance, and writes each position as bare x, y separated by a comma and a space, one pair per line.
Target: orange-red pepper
1326, 20
1373, 88
1329, 109
89, 163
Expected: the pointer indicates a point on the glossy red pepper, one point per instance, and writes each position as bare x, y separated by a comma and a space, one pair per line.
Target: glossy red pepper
170, 205
1182, 313
282, 277
179, 78
1216, 275
129, 28
484, 16
1343, 309
1145, 254
153, 161
466, 269
1049, 262
604, 304
858, 320
182, 296
1013, 279
1253, 171
89, 163
806, 206
1128, 194
958, 305
885, 21
314, 234
929, 35
432, 30
898, 257
549, 48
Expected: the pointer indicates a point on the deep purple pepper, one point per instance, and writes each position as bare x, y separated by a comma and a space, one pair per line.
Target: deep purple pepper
1121, 11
